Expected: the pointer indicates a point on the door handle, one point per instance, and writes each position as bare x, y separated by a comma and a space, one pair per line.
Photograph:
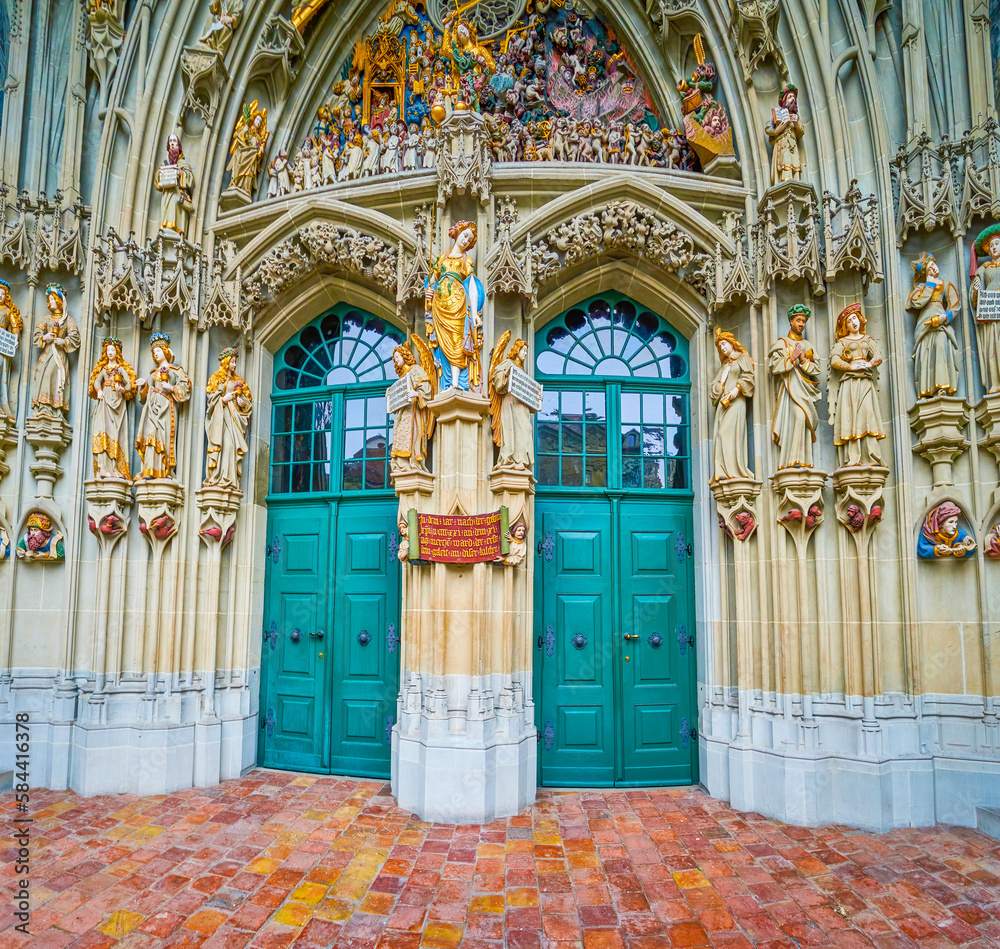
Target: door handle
364, 637
319, 634
631, 636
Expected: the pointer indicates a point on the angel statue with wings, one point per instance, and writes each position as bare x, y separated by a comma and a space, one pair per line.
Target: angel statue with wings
414, 422
510, 416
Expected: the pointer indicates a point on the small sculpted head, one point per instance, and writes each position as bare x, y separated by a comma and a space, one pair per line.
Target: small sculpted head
519, 531
993, 248
174, 150
798, 316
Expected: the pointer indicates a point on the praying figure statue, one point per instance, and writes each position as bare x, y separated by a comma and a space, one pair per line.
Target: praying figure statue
453, 314
987, 278
854, 410
227, 418
10, 322
796, 370
226, 16
56, 335
935, 349
413, 423
784, 131
731, 388
112, 387
941, 535
175, 182
167, 386
510, 416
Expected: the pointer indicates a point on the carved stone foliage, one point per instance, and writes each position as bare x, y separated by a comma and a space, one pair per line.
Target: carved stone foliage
163, 276
38, 233
852, 235
786, 238
464, 159
859, 499
412, 274
981, 181
621, 226
507, 272
317, 244
734, 282
754, 28
224, 304
926, 191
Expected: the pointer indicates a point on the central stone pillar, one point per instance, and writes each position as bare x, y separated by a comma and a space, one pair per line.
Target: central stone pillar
464, 746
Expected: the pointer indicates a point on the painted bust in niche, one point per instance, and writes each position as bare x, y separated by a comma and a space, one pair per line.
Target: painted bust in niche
941, 536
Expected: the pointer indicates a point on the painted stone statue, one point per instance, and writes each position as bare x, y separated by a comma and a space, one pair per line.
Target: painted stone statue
112, 387
226, 16
247, 151
731, 388
517, 540
796, 369
167, 386
40, 541
175, 182
987, 277
10, 320
56, 335
941, 536
413, 425
510, 417
854, 410
6, 533
935, 349
784, 132
453, 314
227, 418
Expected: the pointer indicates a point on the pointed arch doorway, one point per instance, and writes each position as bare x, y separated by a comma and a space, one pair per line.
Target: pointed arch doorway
330, 662
614, 665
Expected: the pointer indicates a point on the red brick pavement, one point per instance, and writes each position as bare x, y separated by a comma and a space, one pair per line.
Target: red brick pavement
276, 859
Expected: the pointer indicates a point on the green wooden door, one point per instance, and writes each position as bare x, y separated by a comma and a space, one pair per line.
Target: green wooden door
366, 639
294, 702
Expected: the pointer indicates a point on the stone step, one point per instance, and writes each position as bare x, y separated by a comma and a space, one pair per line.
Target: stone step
988, 820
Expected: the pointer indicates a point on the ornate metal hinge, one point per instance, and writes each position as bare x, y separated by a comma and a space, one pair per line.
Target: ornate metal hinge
548, 735
389, 722
548, 641
271, 635
268, 723
683, 547
687, 732
548, 547
391, 638
273, 549
393, 545
684, 639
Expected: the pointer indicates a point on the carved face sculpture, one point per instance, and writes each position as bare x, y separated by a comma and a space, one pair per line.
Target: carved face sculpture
397, 360
994, 248
111, 352
173, 149
853, 323
466, 240
949, 526
38, 538
518, 532
158, 355
725, 348
798, 323
3, 295
463, 35
933, 271
55, 303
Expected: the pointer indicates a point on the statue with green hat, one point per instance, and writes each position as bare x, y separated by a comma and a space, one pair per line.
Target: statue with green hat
986, 300
796, 370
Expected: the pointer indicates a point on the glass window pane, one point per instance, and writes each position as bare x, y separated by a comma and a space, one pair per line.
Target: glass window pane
676, 441
595, 406
631, 440
302, 447
597, 472
354, 444
352, 475
572, 437
354, 413
652, 440
303, 417
282, 449
377, 411
321, 446
572, 471
631, 408
675, 409
572, 405
375, 475
279, 479
597, 439
652, 408
321, 477
653, 473
322, 415
631, 472
548, 469
547, 363
282, 418
677, 473
300, 478
548, 436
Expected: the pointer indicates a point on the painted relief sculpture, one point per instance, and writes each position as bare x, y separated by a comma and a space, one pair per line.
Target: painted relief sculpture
413, 424
792, 363
731, 388
227, 418
517, 538
112, 387
56, 336
453, 313
706, 124
935, 349
175, 182
510, 417
167, 386
941, 535
5, 533
40, 541
11, 322
226, 16
247, 151
987, 278
784, 132
854, 410
991, 548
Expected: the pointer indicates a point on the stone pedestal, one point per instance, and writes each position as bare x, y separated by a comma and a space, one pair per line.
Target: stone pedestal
799, 493
463, 749
724, 166
988, 416
233, 198
49, 436
939, 424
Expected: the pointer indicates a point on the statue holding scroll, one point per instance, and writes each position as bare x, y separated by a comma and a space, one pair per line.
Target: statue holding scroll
510, 414
407, 398
986, 300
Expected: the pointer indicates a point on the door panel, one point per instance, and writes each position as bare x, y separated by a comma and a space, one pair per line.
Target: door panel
657, 682
577, 681
293, 708
366, 673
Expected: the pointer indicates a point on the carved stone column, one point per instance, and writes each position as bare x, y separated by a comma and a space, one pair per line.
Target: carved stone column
988, 416
49, 436
939, 424
8, 439
465, 626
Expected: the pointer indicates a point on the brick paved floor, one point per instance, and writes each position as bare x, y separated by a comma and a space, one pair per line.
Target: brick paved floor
275, 859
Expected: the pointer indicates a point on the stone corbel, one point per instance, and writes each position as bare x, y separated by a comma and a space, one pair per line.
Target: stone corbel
786, 238
105, 32
49, 436
158, 501
852, 235
799, 493
513, 487
464, 158
988, 416
859, 500
280, 44
939, 424
736, 499
926, 200
754, 28
219, 507
109, 506
204, 78
175, 281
